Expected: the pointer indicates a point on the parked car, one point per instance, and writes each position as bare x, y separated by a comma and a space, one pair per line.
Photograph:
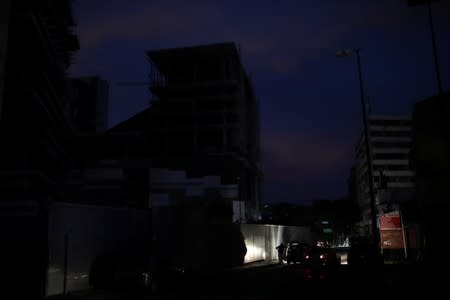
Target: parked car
296, 252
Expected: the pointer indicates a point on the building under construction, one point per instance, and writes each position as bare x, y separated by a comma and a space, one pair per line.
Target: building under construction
204, 109
193, 157
203, 128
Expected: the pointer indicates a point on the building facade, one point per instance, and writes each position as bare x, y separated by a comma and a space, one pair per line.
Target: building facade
88, 104
431, 161
205, 103
393, 178
36, 47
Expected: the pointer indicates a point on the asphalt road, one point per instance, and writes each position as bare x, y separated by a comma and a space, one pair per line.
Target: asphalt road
294, 282
286, 282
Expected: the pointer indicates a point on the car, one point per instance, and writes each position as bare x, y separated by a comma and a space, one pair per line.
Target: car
321, 263
296, 252
317, 255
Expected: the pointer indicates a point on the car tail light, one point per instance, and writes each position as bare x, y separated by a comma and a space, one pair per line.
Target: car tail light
307, 256
322, 256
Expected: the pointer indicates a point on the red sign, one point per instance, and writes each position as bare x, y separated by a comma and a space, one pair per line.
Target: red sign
390, 222
391, 239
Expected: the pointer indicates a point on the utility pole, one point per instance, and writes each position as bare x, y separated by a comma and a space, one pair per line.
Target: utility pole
373, 211
433, 38
368, 154
66, 258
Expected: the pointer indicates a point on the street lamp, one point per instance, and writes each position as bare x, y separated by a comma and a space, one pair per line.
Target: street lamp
344, 53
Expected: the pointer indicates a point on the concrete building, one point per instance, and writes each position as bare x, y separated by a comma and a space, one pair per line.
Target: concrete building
191, 160
394, 181
430, 158
204, 107
87, 104
36, 47
110, 169
203, 129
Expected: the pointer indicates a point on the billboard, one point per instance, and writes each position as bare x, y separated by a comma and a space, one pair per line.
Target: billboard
391, 233
390, 222
391, 239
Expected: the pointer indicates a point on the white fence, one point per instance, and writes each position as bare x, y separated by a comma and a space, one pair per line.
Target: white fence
91, 231
261, 240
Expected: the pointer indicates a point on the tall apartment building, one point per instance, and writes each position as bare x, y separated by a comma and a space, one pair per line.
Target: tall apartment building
204, 110
36, 47
33, 126
394, 181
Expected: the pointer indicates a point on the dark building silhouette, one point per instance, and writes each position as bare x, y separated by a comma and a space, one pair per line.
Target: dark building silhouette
192, 157
205, 107
110, 168
88, 103
36, 48
203, 128
352, 186
430, 158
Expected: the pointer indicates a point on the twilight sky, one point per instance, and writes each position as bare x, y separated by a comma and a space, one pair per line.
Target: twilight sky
309, 99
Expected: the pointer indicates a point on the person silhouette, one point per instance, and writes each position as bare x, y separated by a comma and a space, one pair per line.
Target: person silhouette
281, 248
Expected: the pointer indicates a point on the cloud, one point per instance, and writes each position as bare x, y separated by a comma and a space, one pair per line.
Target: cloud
278, 38
278, 42
300, 166
298, 156
149, 20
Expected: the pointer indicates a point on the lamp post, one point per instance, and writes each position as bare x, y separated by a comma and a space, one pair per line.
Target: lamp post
344, 53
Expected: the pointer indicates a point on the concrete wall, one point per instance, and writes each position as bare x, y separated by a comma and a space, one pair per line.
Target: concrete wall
92, 231
23, 247
261, 240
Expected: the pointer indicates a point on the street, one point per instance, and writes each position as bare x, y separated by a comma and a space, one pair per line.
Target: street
280, 281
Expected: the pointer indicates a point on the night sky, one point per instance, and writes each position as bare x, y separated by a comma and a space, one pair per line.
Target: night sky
309, 99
